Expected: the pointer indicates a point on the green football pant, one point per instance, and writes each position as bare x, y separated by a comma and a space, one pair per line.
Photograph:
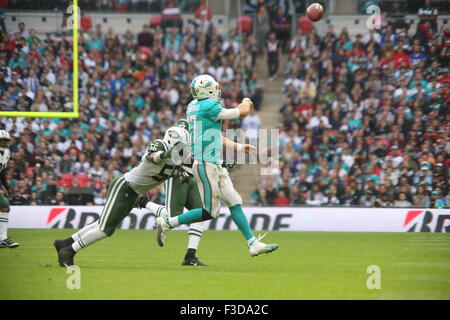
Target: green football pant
4, 217
181, 195
184, 195
4, 202
120, 201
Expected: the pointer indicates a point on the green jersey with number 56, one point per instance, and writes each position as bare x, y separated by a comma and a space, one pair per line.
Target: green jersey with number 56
148, 175
205, 129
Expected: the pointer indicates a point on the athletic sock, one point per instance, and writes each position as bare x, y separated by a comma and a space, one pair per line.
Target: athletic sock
88, 238
68, 241
251, 240
195, 234
191, 253
4, 226
241, 221
194, 215
76, 236
157, 209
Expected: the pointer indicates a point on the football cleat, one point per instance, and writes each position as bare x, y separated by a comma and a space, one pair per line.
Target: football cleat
257, 247
193, 262
59, 244
65, 257
162, 229
8, 244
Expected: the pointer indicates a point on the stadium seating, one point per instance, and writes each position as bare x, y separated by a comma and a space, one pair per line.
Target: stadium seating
66, 180
245, 24
155, 20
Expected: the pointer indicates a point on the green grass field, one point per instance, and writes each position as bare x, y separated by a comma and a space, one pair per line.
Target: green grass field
308, 265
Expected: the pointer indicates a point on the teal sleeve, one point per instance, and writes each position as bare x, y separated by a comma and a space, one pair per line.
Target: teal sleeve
214, 111
440, 203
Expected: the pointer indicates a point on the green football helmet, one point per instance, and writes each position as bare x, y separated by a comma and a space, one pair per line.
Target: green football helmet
5, 140
183, 123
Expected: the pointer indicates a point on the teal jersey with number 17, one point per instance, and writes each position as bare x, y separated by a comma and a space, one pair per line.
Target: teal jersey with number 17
205, 129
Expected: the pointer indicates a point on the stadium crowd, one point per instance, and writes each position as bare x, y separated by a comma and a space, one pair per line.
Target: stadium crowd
101, 5
132, 87
365, 121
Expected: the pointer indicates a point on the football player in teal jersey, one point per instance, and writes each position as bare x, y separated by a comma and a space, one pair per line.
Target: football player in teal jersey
205, 115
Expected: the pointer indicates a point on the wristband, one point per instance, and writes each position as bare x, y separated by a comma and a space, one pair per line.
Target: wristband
239, 147
157, 157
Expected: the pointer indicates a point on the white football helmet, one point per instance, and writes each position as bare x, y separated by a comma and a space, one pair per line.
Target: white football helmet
205, 87
175, 135
4, 135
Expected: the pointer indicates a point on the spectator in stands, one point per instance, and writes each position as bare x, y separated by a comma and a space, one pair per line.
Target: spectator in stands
251, 124
273, 53
421, 199
203, 15
437, 201
428, 13
262, 28
231, 45
281, 25
96, 172
396, 17
2, 20
252, 6
224, 74
58, 200
316, 197
402, 201
417, 55
21, 30
145, 37
171, 16
65, 165
18, 198
281, 199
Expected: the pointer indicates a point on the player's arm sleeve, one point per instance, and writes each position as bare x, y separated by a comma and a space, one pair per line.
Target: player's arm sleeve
228, 114
154, 151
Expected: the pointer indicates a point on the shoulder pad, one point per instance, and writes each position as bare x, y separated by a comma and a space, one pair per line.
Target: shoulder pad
156, 145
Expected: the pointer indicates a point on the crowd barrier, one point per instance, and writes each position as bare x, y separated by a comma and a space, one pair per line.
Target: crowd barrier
345, 219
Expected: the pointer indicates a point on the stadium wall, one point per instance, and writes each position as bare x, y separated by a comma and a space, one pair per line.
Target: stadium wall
45, 22
51, 21
343, 219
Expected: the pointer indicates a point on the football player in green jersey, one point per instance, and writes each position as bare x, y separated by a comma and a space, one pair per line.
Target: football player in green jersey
181, 192
5, 142
156, 166
205, 115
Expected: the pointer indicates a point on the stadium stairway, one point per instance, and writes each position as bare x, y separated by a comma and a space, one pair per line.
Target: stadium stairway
217, 6
247, 178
